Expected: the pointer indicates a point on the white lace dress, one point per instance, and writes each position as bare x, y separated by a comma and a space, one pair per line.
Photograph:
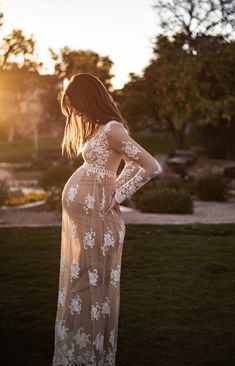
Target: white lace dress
86, 324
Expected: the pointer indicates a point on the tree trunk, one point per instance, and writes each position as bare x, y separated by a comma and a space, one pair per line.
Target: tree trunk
180, 138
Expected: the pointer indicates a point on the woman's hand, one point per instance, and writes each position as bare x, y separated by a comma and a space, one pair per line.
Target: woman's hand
113, 205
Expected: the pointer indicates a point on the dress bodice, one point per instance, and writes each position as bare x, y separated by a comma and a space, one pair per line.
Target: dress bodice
112, 143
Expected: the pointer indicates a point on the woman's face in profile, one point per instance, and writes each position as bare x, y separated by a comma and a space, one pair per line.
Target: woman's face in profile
75, 112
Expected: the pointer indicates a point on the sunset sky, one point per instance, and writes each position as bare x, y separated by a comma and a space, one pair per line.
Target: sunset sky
122, 29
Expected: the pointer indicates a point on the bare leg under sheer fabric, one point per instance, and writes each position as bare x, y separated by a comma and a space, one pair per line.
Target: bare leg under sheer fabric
86, 324
90, 267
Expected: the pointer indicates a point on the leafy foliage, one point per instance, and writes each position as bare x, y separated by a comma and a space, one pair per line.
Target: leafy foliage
21, 49
196, 17
213, 188
25, 198
4, 191
69, 62
56, 176
165, 200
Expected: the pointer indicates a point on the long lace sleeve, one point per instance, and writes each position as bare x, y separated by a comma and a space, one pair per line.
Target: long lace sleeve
129, 170
148, 167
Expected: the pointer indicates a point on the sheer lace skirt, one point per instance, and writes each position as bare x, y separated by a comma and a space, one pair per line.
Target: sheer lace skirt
86, 323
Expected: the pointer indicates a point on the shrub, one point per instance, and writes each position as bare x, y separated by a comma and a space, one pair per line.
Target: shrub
229, 172
213, 187
54, 196
4, 191
216, 149
186, 185
25, 198
54, 180
56, 176
165, 200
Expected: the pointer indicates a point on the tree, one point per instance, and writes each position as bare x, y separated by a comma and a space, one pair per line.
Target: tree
1, 19
194, 85
18, 67
216, 80
137, 104
171, 75
197, 17
18, 52
69, 62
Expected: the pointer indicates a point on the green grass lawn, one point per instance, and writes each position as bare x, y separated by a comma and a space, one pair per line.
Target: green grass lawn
161, 142
177, 295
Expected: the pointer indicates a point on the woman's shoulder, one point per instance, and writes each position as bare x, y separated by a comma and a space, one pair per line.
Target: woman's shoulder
108, 124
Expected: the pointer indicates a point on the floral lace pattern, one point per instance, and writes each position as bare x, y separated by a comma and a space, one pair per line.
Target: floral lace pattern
129, 170
134, 184
93, 277
99, 342
95, 311
72, 230
91, 246
121, 234
99, 172
96, 154
130, 150
89, 203
62, 330
61, 297
66, 355
72, 193
115, 276
74, 271
106, 307
81, 338
89, 239
108, 241
76, 305
148, 167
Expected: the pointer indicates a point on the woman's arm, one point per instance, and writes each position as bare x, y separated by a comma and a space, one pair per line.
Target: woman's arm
129, 170
145, 165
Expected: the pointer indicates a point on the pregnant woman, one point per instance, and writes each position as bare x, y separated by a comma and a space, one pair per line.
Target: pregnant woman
93, 229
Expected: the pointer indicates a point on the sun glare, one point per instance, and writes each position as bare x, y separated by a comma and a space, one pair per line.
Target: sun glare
104, 27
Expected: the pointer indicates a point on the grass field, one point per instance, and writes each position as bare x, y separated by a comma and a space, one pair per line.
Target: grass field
177, 296
161, 143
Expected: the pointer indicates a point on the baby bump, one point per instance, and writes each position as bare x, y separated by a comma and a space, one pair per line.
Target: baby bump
82, 196
88, 227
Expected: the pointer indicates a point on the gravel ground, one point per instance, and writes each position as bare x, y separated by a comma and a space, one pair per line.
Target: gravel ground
204, 212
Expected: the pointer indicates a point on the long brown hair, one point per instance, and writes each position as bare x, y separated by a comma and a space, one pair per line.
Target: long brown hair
87, 94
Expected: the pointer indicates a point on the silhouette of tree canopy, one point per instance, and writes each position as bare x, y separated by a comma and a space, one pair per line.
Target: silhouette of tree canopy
196, 17
18, 52
194, 85
137, 103
1, 19
69, 62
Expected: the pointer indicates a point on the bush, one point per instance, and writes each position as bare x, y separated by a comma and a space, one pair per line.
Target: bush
54, 196
25, 198
229, 172
213, 187
56, 176
4, 191
165, 200
216, 149
185, 185
54, 180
